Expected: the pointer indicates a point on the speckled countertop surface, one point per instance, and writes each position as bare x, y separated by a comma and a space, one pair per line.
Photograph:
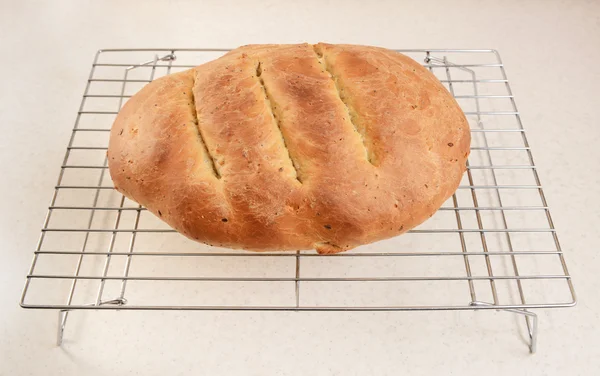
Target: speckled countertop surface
550, 50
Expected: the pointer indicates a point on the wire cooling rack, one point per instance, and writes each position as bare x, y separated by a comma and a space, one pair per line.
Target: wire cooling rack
491, 246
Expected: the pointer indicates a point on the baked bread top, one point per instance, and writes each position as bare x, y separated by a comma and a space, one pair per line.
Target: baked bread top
286, 147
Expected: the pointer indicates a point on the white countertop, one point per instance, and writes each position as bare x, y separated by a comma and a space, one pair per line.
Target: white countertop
550, 50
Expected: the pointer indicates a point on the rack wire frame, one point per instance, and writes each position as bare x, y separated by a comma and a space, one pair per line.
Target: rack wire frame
479, 216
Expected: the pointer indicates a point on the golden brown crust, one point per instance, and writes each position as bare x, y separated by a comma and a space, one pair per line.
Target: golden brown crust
285, 147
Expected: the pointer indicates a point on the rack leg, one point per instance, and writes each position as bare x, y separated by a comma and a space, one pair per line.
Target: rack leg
62, 321
532, 327
531, 320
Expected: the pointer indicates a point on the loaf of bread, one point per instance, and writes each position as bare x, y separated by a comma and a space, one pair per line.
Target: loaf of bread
288, 147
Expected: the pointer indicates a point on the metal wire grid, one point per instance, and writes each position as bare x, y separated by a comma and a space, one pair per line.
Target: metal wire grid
491, 246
